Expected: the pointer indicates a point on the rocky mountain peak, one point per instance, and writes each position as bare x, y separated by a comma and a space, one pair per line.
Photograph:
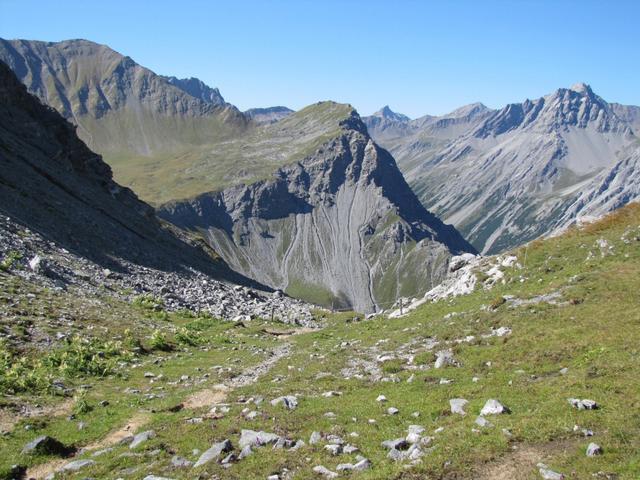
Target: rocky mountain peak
388, 114
575, 107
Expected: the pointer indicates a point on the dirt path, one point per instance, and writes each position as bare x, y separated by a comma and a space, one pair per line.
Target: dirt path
9, 417
203, 398
521, 464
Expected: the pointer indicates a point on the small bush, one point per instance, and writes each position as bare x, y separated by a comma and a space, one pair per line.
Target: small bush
148, 302
9, 260
188, 337
496, 302
158, 341
392, 366
81, 405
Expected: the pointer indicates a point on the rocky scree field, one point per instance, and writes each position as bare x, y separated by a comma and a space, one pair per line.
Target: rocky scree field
534, 377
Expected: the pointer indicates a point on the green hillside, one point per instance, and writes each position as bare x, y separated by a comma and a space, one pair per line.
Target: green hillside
570, 303
257, 153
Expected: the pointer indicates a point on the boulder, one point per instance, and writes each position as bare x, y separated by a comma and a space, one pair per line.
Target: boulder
45, 445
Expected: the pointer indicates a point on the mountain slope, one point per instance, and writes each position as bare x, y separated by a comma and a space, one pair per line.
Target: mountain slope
336, 223
529, 169
124, 111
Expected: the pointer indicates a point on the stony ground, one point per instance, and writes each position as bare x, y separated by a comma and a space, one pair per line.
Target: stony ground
535, 377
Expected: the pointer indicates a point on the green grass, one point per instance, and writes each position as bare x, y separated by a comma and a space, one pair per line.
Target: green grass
188, 168
594, 332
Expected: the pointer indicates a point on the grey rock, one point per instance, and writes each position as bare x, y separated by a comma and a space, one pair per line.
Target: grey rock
324, 471
315, 438
457, 405
45, 445
547, 474
77, 465
483, 422
396, 444
214, 452
289, 401
180, 462
251, 438
445, 358
142, 437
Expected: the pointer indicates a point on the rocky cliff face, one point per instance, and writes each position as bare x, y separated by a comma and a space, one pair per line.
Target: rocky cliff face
507, 176
121, 108
339, 226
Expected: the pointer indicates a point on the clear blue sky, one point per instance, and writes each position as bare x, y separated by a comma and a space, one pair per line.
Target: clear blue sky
417, 56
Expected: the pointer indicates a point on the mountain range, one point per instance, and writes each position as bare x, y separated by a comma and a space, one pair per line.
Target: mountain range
312, 202
504, 177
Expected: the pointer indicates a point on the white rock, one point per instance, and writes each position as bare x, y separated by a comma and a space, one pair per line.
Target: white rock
457, 405
493, 407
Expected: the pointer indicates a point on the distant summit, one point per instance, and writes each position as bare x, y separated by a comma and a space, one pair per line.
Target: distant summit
386, 113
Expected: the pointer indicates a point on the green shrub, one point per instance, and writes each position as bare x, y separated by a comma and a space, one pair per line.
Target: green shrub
158, 341
148, 302
392, 366
9, 260
188, 337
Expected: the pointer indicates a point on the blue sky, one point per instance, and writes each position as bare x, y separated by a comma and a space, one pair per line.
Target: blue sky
417, 56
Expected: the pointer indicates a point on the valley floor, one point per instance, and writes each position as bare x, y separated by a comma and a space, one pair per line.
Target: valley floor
565, 323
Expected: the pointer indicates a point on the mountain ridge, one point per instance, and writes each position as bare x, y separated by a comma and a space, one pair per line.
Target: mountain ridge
507, 176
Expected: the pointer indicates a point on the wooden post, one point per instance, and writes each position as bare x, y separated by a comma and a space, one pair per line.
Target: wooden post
400, 305
272, 309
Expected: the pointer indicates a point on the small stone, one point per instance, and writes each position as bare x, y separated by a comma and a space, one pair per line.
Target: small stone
315, 438
333, 449
548, 474
445, 358
180, 462
457, 405
593, 449
584, 404
324, 471
77, 465
362, 464
392, 411
289, 401
381, 398
483, 422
